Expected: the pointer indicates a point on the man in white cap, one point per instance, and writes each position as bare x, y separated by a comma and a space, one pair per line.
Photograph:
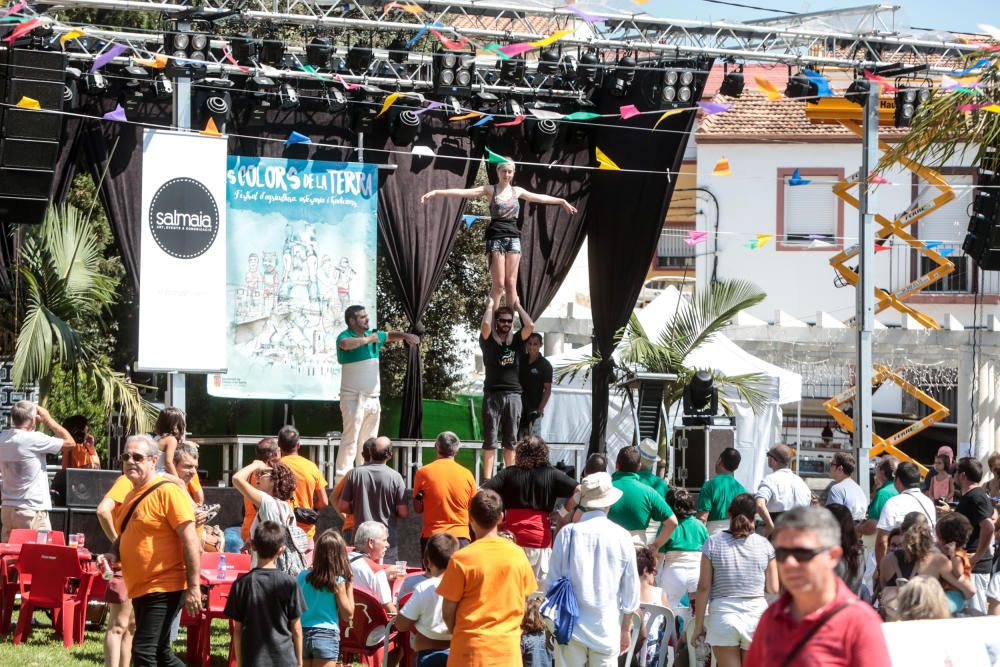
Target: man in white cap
598, 557
648, 458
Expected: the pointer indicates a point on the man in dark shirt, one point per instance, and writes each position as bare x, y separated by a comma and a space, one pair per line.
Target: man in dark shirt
536, 386
975, 504
502, 351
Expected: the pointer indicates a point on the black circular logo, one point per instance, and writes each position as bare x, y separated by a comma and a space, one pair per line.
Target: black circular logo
184, 218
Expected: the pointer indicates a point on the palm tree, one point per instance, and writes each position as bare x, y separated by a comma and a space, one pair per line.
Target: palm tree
694, 324
61, 305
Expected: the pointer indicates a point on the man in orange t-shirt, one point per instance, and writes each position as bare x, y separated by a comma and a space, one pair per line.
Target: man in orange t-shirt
267, 451
484, 590
84, 454
442, 491
310, 485
159, 551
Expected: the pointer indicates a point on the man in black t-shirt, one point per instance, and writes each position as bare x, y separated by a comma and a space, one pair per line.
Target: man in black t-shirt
977, 507
536, 386
502, 351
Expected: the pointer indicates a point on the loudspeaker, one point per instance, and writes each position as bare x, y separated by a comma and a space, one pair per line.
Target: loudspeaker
29, 139
692, 458
86, 487
231, 505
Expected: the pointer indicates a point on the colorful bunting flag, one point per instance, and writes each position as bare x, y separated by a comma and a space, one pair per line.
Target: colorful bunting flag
819, 243
932, 244
797, 179
993, 108
495, 158
467, 116
72, 34
964, 108
878, 179
722, 168
14, 10
946, 252
389, 101
881, 81
695, 237
628, 111
712, 108
604, 161
347, 86
432, 105
23, 29
450, 44
482, 121
518, 119
469, 219
581, 115
159, 61
762, 240
668, 114
766, 86
982, 62
297, 138
117, 114
551, 39
228, 55
882, 247
422, 32
586, 16
545, 113
109, 55
514, 50
28, 103
425, 151
211, 129
822, 85
416, 10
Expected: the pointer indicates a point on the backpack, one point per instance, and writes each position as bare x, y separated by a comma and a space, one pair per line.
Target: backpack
559, 609
293, 559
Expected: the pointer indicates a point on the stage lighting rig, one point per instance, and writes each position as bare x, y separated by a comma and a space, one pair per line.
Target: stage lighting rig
800, 85
404, 127
335, 100
163, 87
701, 402
318, 52
359, 59
262, 94
908, 101
215, 104
857, 92
548, 62
398, 53
364, 109
288, 97
512, 70
485, 101
132, 89
272, 52
186, 40
732, 82
71, 89
622, 76
94, 83
589, 69
453, 72
542, 135
677, 85
244, 48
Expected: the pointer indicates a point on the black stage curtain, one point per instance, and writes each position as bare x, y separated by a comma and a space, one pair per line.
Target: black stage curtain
418, 238
624, 220
550, 237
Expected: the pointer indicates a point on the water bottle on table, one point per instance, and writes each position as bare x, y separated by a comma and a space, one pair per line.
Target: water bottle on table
222, 567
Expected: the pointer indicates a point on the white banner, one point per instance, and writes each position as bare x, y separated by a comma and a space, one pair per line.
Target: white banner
182, 292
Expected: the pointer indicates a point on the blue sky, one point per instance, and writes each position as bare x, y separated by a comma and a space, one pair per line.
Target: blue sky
956, 15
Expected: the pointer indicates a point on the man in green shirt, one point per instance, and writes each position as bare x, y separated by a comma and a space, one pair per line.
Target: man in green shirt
639, 502
718, 492
885, 473
648, 458
358, 349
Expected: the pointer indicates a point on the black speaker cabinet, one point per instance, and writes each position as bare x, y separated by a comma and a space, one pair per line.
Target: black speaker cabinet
690, 461
231, 505
85, 488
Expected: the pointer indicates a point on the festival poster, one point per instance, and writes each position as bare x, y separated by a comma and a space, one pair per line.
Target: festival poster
301, 248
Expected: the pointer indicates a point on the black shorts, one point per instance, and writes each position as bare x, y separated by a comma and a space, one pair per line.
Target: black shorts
501, 417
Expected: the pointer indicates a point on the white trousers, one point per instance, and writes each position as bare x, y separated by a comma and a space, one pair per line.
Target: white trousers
576, 654
361, 417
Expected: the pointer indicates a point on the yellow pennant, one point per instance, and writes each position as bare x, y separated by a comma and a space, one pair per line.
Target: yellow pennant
668, 114
551, 39
722, 168
762, 239
411, 9
211, 129
993, 108
604, 161
471, 114
389, 101
72, 34
768, 87
28, 103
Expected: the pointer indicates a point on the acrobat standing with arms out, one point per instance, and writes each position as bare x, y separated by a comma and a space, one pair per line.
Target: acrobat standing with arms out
503, 238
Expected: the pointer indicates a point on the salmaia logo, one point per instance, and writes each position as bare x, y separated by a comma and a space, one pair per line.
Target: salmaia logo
183, 218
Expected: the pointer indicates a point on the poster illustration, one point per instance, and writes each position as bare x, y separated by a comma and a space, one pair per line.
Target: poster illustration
300, 248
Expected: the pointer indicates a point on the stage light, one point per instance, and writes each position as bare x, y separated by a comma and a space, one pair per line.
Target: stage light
163, 87
588, 72
184, 43
398, 53
548, 62
622, 76
404, 128
732, 83
567, 68
453, 72
359, 58
799, 85
318, 52
272, 52
94, 83
512, 70
261, 94
485, 101
700, 400
336, 101
71, 88
364, 109
288, 97
543, 135
244, 48
514, 108
132, 93
677, 86
908, 100
857, 92
982, 242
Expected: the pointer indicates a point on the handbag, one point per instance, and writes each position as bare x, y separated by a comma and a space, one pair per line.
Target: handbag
559, 608
306, 516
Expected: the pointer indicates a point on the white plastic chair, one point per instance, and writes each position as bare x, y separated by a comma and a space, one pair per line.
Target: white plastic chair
648, 615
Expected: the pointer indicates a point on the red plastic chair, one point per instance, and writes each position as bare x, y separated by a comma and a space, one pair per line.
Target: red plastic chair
27, 535
408, 657
234, 562
56, 567
370, 634
8, 572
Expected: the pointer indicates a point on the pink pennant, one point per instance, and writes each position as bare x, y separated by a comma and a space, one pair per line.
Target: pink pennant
586, 16
229, 57
22, 29
449, 44
628, 111
986, 47
14, 10
878, 179
517, 121
883, 84
711, 108
514, 50
347, 86
694, 238
971, 107
882, 248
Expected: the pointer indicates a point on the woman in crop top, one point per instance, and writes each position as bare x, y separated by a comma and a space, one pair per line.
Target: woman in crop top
503, 237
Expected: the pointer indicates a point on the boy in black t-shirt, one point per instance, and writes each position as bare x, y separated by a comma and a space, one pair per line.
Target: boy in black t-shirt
266, 605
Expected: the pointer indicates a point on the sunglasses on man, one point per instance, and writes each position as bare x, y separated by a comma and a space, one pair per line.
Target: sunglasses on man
135, 456
781, 554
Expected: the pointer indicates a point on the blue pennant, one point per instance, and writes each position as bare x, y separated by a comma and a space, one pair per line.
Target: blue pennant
797, 179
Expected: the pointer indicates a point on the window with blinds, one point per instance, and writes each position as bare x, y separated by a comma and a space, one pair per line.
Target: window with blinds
947, 225
809, 212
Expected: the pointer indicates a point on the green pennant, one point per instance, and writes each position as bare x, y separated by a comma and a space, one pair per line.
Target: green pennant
493, 158
581, 115
493, 46
13, 19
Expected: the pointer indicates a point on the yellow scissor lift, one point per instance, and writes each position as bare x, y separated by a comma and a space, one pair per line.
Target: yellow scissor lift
848, 115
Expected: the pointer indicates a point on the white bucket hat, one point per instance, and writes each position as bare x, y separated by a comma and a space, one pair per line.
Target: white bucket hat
649, 450
597, 491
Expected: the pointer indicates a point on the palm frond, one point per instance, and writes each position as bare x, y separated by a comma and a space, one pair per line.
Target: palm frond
748, 387
584, 366
138, 414
710, 312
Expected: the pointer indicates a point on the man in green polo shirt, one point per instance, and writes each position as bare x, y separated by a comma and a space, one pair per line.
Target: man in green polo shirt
718, 492
358, 349
639, 502
885, 474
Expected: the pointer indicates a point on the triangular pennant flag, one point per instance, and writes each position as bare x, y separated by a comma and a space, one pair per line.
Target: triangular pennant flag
948, 83
211, 130
751, 244
581, 115
946, 252
416, 38
389, 100
772, 92
416, 10
511, 123
993, 108
722, 168
347, 86
982, 62
109, 55
628, 111
819, 243
694, 237
881, 81
425, 151
878, 179
494, 158
668, 114
932, 244
797, 179
712, 108
449, 44
432, 105
822, 85
551, 39
469, 219
297, 138
604, 161
882, 247
117, 114
762, 240
14, 10
587, 17
28, 103
482, 121
72, 34
23, 29
467, 116
545, 113
964, 108
514, 50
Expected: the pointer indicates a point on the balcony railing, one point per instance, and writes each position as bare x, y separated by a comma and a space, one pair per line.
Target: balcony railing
672, 252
